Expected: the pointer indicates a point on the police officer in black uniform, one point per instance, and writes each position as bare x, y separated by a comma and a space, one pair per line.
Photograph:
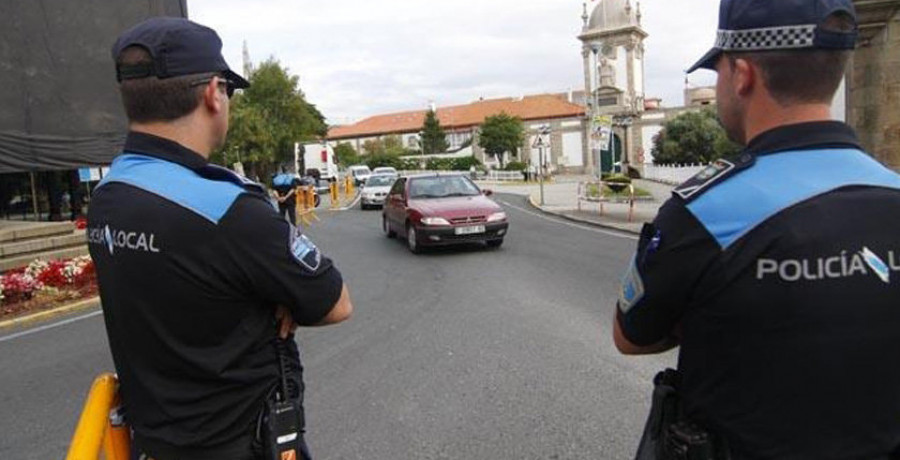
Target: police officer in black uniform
198, 274
778, 272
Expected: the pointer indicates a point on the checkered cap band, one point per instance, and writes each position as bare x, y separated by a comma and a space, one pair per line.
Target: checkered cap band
768, 38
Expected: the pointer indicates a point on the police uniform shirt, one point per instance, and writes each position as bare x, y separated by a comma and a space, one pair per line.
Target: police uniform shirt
781, 272
284, 183
192, 261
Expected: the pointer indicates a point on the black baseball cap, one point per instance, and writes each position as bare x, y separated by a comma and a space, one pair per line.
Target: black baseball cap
178, 47
769, 25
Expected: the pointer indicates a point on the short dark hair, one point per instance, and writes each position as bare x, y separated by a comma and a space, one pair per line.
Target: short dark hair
154, 99
803, 76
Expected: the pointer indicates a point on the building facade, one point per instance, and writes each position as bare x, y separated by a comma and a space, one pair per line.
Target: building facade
462, 122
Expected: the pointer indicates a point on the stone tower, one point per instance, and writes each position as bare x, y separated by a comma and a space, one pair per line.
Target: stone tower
613, 51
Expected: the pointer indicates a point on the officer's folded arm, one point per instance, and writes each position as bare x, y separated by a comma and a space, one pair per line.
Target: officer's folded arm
341, 310
627, 347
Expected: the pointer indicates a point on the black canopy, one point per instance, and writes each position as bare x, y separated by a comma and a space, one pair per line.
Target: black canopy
59, 106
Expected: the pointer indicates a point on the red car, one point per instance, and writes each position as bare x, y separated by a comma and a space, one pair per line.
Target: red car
442, 209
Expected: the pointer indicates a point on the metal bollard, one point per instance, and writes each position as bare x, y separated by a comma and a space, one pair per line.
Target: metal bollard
335, 199
101, 424
631, 202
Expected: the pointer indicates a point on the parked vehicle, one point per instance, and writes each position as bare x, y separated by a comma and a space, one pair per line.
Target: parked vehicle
386, 170
436, 209
374, 192
316, 157
359, 173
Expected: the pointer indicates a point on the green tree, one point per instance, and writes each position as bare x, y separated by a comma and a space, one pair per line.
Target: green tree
692, 137
267, 119
501, 133
390, 145
346, 154
434, 139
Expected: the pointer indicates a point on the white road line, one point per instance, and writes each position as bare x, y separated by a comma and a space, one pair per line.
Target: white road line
50, 326
571, 224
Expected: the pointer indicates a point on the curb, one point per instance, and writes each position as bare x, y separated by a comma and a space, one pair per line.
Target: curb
85, 304
579, 220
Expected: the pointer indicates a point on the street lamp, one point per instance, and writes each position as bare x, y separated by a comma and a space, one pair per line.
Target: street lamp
543, 132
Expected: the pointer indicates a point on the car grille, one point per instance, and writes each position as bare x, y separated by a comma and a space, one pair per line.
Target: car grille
468, 220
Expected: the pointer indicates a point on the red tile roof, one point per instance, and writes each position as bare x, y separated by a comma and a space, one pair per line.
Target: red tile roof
538, 107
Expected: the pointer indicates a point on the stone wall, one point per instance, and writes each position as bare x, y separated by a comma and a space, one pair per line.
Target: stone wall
874, 99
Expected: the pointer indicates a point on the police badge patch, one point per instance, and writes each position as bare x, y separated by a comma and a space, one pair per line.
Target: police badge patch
632, 290
305, 251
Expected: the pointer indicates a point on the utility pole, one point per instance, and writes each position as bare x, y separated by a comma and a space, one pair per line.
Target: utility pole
541, 142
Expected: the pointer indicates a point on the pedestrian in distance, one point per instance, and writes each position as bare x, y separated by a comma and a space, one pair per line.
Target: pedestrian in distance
285, 188
202, 282
776, 272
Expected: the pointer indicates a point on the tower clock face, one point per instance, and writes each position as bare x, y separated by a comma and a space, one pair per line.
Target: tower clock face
607, 50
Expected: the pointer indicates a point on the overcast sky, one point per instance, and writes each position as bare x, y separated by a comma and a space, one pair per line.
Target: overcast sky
359, 58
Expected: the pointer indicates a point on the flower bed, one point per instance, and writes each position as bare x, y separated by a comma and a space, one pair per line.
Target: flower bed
42, 285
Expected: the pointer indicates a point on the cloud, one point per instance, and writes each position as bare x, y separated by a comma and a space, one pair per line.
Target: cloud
358, 58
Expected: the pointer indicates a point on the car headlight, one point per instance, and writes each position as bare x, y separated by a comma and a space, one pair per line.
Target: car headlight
497, 217
435, 221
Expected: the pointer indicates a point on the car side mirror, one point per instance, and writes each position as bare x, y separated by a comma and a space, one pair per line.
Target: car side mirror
487, 192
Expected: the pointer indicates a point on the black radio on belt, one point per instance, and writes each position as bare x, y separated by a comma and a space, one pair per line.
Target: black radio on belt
283, 420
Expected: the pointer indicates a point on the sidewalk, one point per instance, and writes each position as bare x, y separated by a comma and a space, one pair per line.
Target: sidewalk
560, 198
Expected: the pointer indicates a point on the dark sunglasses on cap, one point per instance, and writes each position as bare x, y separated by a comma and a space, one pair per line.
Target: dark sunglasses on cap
229, 85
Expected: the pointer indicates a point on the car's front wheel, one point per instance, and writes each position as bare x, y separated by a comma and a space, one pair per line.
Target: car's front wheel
386, 228
412, 239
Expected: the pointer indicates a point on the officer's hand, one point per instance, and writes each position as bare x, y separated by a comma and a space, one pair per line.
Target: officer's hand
286, 324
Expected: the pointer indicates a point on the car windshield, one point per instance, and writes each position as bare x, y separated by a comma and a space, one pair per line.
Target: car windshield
441, 187
360, 171
379, 181
385, 171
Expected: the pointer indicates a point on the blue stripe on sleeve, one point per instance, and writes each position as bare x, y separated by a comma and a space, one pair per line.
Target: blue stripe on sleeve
778, 181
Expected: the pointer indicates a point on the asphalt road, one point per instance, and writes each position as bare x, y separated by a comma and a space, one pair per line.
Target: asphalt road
464, 353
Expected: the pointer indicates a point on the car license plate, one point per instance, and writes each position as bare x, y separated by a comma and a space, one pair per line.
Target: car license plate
471, 230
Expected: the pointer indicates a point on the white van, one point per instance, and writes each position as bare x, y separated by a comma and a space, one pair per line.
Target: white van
315, 156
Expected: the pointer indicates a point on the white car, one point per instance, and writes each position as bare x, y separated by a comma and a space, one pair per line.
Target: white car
386, 170
359, 173
376, 190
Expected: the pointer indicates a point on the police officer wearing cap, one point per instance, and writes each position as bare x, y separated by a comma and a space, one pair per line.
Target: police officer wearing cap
199, 276
777, 272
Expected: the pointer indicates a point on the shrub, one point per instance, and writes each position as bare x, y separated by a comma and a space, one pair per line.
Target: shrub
515, 166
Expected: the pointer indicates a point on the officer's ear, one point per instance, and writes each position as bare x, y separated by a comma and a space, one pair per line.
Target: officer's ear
745, 76
214, 99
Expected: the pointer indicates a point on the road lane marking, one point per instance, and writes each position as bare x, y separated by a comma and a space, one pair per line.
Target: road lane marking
49, 326
571, 224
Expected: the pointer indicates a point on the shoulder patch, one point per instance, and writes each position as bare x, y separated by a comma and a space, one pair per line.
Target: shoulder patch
632, 288
305, 251
716, 172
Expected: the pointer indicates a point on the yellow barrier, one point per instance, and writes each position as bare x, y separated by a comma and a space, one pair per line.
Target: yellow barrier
306, 204
101, 424
335, 199
348, 186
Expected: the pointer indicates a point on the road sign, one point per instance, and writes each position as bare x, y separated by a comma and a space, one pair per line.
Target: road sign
540, 142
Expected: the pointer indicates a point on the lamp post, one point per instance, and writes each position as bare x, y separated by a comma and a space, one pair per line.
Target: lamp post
543, 131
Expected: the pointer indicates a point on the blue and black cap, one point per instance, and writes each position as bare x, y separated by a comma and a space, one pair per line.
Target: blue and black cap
773, 25
178, 47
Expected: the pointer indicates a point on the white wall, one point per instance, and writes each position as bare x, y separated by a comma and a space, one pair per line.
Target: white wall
839, 105
647, 135
572, 149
